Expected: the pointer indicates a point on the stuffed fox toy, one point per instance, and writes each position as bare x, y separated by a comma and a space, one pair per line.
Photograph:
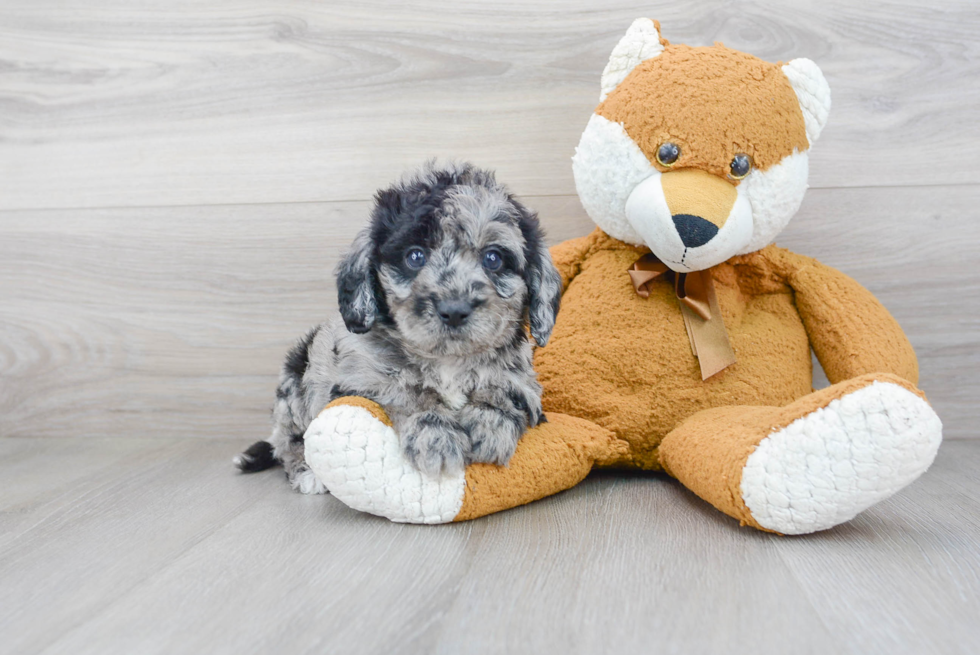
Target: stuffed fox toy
684, 337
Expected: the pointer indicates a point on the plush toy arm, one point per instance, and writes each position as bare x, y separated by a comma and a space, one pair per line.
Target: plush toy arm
353, 450
851, 332
569, 255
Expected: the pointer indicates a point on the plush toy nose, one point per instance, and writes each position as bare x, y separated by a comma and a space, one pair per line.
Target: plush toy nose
693, 230
454, 312
699, 202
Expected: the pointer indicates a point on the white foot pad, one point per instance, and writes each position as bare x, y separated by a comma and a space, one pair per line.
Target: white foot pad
361, 463
824, 468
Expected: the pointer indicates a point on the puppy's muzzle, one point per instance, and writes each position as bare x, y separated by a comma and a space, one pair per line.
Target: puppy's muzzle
454, 312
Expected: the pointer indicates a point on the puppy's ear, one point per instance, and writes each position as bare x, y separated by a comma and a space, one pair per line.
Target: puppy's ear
542, 278
356, 285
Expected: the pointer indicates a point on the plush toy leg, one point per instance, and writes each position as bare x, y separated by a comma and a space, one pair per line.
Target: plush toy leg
353, 450
810, 465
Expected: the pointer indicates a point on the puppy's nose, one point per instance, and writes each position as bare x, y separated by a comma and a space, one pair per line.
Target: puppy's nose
693, 230
454, 312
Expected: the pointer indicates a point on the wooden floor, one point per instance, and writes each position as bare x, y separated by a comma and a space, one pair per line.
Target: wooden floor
143, 545
177, 181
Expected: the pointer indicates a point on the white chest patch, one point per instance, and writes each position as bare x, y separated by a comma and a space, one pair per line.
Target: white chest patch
454, 398
448, 385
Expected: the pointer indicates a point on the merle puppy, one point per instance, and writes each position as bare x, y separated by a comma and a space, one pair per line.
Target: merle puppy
436, 296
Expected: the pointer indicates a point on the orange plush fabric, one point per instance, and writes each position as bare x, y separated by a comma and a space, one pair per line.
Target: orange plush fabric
554, 456
712, 102
625, 362
852, 334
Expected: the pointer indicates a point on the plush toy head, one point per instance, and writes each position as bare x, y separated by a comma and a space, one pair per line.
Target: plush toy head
699, 154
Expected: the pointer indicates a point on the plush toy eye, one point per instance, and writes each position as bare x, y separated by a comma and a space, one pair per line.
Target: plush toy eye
667, 154
415, 258
740, 167
492, 260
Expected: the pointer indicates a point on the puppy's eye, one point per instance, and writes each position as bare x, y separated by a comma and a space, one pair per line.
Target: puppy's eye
667, 154
740, 166
415, 258
493, 260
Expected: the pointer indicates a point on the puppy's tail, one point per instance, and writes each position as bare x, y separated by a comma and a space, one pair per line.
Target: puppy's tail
258, 457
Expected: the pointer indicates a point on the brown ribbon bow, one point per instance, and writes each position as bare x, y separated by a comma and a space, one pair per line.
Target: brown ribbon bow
699, 306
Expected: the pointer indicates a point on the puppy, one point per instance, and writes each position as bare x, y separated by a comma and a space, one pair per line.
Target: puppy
436, 297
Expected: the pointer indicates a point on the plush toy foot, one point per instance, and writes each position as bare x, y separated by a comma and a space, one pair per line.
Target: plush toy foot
353, 450
813, 464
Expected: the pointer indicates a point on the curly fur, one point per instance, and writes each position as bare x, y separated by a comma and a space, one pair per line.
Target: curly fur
456, 393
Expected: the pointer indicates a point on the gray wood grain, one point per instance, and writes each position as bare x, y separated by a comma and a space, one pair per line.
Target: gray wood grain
165, 550
174, 321
142, 103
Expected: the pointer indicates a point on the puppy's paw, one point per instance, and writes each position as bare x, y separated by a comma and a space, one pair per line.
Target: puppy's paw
493, 437
435, 445
306, 482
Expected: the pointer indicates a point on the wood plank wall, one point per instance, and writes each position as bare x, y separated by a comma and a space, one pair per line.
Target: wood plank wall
178, 179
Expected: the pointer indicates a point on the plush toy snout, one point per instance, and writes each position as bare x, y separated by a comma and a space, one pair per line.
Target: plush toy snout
691, 219
700, 204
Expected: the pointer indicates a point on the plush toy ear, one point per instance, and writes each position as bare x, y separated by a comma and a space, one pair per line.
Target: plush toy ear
356, 283
813, 92
641, 42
